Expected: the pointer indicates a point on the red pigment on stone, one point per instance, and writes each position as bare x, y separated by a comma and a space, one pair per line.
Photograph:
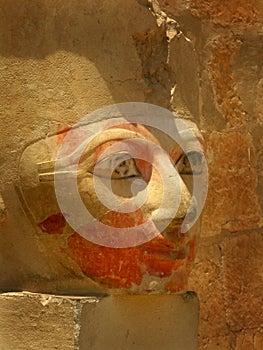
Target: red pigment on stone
120, 268
54, 224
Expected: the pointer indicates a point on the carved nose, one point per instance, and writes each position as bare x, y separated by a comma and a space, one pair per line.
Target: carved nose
171, 228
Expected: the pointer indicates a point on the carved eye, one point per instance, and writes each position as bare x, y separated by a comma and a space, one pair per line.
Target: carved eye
190, 163
117, 166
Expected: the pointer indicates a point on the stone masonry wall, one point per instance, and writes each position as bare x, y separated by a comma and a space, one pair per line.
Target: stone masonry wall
220, 45
59, 60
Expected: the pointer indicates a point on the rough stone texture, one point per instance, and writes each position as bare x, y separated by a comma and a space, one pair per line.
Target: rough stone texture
34, 321
245, 341
3, 210
258, 103
185, 65
152, 48
258, 340
168, 321
232, 202
226, 99
207, 281
217, 343
225, 13
219, 12
243, 279
249, 339
226, 37
248, 76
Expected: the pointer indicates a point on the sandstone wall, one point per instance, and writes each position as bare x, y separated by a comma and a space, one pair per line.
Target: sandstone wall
59, 60
224, 49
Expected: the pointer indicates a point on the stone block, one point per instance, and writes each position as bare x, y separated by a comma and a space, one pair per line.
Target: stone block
49, 322
258, 340
167, 322
220, 64
232, 203
243, 279
35, 321
206, 280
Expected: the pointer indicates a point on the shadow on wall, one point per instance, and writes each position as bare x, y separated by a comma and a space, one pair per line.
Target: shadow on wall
121, 39
36, 29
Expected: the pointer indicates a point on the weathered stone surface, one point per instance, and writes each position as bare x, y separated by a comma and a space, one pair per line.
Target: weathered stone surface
3, 210
185, 65
152, 48
218, 12
140, 322
206, 280
227, 101
245, 340
258, 101
232, 202
258, 141
35, 321
247, 72
216, 343
243, 279
249, 339
258, 340
211, 118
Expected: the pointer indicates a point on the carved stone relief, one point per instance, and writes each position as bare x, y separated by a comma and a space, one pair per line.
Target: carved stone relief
140, 248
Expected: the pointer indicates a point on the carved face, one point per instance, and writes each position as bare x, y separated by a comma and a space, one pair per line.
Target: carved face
160, 263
